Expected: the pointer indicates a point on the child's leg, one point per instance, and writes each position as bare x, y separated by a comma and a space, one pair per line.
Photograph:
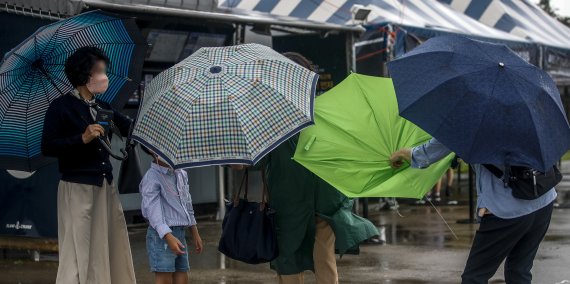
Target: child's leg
163, 278
180, 278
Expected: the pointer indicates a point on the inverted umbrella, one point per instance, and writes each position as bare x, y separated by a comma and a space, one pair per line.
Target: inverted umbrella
357, 128
225, 105
32, 76
483, 102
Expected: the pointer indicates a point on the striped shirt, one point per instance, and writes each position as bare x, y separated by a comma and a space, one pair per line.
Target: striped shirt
166, 200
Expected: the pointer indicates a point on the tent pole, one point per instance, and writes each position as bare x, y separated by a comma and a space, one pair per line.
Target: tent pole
221, 193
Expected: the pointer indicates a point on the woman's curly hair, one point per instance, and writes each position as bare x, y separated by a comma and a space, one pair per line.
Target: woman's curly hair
79, 65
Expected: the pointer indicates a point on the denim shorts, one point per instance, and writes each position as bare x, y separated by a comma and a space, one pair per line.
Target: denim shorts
161, 258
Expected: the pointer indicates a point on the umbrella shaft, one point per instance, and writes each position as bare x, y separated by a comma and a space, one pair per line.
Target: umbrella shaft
48, 77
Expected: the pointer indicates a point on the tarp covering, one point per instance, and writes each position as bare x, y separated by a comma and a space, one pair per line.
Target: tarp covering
428, 14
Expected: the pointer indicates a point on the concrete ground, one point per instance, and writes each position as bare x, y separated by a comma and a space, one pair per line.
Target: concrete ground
419, 249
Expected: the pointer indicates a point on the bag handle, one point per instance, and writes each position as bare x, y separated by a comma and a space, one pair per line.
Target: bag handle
244, 180
265, 194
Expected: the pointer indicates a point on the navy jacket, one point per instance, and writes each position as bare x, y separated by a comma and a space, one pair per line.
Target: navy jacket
66, 120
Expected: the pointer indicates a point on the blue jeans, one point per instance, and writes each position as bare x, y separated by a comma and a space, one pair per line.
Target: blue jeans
161, 258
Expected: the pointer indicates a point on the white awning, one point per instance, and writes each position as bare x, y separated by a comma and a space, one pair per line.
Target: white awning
428, 14
178, 8
518, 17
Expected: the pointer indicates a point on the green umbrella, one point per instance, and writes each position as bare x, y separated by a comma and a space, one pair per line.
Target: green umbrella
357, 128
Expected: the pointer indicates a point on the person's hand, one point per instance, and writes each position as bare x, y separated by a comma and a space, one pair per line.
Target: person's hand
174, 244
197, 239
91, 132
398, 158
198, 244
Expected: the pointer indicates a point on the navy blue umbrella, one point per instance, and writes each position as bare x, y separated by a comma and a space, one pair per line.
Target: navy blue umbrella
32, 76
482, 101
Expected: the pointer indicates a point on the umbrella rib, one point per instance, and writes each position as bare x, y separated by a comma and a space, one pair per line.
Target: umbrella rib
55, 34
297, 110
452, 78
46, 92
343, 130
524, 78
75, 33
242, 125
530, 113
15, 69
29, 61
10, 104
26, 141
478, 130
485, 53
369, 105
528, 81
249, 79
11, 83
35, 46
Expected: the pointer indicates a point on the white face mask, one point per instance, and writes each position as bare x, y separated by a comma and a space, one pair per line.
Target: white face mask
98, 84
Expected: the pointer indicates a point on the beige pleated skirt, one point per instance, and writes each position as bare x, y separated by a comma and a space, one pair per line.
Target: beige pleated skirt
93, 239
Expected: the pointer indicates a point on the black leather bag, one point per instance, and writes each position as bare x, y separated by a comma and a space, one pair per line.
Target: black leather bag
131, 172
526, 183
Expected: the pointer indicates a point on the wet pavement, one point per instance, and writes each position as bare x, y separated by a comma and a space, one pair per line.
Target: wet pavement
419, 248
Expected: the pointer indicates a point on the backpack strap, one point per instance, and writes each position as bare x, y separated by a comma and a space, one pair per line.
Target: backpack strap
504, 176
494, 170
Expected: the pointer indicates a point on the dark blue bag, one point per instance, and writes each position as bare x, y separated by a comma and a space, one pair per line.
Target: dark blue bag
248, 229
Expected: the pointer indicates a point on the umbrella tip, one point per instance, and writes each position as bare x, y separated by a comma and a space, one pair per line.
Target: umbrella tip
501, 64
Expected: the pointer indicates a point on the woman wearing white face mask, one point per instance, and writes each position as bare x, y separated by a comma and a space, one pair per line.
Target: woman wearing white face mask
93, 240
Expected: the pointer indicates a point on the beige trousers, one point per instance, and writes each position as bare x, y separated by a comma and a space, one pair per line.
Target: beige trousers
93, 239
323, 257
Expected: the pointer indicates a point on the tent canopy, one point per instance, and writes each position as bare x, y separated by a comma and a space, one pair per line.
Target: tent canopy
517, 17
57, 9
525, 19
425, 14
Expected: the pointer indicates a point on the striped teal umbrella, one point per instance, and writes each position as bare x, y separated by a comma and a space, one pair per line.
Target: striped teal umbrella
32, 75
225, 105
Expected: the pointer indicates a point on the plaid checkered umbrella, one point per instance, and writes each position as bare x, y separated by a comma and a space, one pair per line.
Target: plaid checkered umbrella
32, 76
225, 105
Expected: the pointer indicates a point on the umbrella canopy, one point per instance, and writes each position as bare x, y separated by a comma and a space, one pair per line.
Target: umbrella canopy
32, 76
225, 105
357, 129
483, 102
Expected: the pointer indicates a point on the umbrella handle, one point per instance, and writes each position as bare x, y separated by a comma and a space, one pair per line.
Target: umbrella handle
117, 157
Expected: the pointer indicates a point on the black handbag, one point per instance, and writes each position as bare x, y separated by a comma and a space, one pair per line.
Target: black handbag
527, 183
131, 172
248, 229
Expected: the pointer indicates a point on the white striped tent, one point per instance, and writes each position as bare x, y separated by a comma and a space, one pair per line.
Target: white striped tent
525, 19
522, 18
428, 14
